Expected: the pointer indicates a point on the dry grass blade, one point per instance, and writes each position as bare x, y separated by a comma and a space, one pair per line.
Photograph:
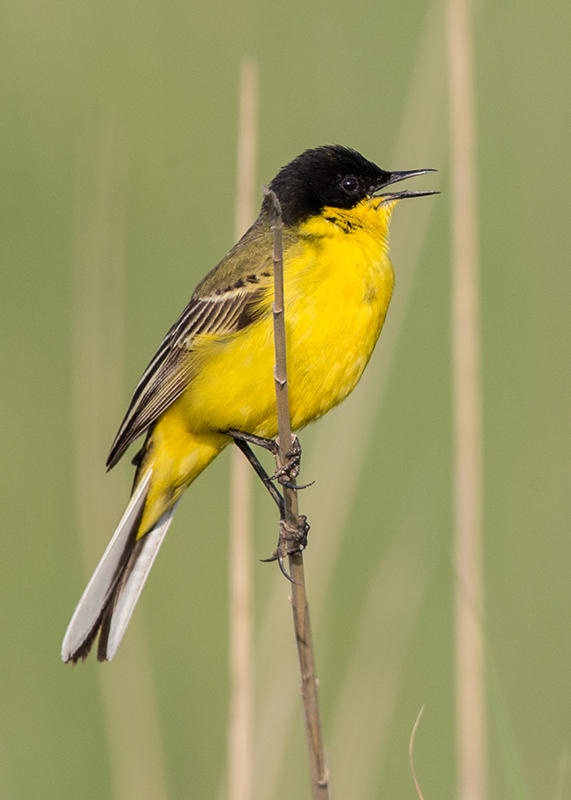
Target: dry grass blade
411, 753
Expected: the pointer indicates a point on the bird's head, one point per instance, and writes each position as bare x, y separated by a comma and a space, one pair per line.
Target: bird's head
333, 176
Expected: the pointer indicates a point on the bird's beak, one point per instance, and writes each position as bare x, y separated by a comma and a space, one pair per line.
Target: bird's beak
394, 177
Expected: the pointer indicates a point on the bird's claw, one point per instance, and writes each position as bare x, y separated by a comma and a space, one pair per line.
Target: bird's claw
295, 486
292, 540
287, 472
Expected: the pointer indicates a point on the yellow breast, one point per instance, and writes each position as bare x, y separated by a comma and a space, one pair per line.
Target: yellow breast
340, 289
338, 284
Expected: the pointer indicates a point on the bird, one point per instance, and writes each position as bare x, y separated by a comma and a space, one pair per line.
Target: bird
213, 372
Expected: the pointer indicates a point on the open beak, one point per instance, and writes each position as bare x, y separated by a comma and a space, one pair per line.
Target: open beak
394, 177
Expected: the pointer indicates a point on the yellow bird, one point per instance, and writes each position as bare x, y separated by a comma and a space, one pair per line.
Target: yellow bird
213, 372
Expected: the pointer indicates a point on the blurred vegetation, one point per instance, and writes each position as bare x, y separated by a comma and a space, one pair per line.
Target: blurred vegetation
118, 148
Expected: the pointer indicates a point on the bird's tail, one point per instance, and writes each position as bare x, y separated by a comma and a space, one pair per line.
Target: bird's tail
110, 596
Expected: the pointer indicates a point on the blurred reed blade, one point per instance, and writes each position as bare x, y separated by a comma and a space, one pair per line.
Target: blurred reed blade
127, 693
369, 692
240, 549
467, 402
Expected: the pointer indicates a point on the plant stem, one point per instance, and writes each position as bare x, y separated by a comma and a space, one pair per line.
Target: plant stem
302, 627
240, 584
467, 402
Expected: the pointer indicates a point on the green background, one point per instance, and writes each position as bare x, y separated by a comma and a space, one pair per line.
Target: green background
117, 171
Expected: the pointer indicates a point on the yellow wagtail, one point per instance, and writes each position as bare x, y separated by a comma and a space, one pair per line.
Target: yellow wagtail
213, 372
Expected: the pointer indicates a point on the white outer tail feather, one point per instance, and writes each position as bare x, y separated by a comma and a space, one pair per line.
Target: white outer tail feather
96, 592
130, 593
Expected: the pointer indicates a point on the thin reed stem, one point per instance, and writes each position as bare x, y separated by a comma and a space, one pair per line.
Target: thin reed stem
240, 704
470, 682
302, 627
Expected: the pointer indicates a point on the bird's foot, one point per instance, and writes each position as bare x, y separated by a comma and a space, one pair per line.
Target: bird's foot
292, 539
287, 472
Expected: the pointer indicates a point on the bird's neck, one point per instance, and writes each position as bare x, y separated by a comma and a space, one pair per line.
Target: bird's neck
368, 220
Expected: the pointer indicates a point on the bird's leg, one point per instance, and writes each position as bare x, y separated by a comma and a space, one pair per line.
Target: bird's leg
245, 448
291, 539
285, 473
260, 441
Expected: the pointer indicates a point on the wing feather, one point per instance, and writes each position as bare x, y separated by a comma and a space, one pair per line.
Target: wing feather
173, 366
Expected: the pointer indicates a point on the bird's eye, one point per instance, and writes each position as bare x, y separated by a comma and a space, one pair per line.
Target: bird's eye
349, 184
